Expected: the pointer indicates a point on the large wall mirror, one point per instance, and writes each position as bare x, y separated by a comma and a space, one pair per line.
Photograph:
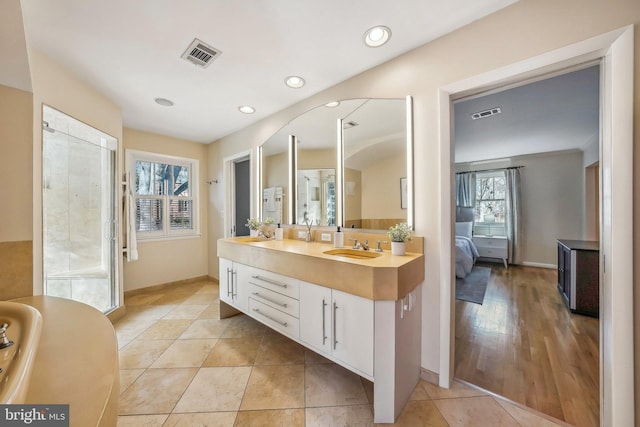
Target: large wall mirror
375, 164
359, 176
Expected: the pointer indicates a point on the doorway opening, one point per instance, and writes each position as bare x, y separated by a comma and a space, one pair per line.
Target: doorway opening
238, 194
616, 50
520, 341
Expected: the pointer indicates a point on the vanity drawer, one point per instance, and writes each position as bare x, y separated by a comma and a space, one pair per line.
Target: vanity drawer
276, 319
275, 300
276, 282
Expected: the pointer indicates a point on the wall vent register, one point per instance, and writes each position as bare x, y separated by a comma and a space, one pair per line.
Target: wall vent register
486, 113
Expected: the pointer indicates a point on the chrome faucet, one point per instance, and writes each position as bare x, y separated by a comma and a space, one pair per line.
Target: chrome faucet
356, 245
379, 248
365, 245
4, 340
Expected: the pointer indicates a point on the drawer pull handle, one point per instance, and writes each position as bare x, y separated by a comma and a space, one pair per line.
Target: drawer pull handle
270, 318
269, 299
335, 339
234, 284
273, 282
324, 332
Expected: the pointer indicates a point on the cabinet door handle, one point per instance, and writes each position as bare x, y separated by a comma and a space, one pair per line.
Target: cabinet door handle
273, 282
324, 332
228, 281
270, 318
234, 285
269, 299
335, 339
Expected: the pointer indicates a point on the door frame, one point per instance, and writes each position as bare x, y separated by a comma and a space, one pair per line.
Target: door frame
616, 51
229, 189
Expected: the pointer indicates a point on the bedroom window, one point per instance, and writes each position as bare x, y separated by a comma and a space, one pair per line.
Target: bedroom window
490, 206
164, 192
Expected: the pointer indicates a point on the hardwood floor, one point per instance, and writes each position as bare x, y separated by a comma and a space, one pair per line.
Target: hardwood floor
524, 344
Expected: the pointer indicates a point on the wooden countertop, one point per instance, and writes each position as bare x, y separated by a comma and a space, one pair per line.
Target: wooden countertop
77, 361
386, 277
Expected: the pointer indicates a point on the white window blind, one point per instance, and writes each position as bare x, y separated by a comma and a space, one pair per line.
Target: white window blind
164, 189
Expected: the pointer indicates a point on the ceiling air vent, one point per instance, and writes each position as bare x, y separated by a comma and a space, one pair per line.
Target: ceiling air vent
486, 113
200, 53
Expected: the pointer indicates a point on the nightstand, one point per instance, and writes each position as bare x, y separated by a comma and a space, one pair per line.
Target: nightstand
492, 247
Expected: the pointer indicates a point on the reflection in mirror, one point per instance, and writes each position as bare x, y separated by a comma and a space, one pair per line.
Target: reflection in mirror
368, 193
275, 178
316, 201
375, 164
315, 132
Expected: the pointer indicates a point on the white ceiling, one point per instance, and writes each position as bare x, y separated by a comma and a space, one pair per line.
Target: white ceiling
130, 51
556, 114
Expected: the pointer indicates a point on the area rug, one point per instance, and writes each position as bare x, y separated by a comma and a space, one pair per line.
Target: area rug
473, 287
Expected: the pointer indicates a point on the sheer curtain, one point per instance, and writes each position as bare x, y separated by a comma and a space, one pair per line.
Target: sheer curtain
513, 214
465, 188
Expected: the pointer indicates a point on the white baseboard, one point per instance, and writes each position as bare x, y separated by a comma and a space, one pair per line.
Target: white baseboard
539, 265
429, 376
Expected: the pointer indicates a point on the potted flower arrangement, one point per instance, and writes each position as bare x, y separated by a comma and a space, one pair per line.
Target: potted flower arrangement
254, 225
399, 234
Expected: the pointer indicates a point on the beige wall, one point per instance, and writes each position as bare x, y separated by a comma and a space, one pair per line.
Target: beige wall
172, 259
353, 202
523, 30
552, 191
59, 88
381, 188
16, 148
16, 176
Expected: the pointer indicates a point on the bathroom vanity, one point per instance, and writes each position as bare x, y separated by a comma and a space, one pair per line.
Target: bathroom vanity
360, 310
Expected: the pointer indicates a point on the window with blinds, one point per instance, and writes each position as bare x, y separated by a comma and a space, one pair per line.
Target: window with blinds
490, 208
164, 189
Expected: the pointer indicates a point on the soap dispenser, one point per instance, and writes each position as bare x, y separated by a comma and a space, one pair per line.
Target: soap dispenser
279, 233
338, 238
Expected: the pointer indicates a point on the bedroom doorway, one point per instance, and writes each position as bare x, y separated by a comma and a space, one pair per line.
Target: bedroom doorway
615, 49
520, 341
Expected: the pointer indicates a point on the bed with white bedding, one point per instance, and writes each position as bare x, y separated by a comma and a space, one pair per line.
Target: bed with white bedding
466, 251
466, 255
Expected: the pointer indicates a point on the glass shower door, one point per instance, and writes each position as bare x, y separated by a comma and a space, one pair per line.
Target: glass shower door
79, 218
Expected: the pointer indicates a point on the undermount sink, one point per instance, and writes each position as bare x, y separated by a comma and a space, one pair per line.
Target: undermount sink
353, 253
249, 239
16, 360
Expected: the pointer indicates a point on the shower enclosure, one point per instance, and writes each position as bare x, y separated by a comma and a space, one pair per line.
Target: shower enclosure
78, 211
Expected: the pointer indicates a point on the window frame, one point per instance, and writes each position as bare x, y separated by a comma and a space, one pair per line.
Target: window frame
502, 226
133, 156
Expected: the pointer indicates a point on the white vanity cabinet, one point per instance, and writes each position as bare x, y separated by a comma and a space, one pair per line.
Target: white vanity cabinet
233, 283
364, 315
338, 325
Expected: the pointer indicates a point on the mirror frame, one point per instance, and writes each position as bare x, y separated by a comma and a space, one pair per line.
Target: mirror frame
292, 154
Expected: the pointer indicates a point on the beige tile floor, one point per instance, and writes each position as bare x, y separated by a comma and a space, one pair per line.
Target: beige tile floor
180, 365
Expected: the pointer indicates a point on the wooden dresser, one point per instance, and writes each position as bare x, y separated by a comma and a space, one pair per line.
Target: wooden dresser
579, 275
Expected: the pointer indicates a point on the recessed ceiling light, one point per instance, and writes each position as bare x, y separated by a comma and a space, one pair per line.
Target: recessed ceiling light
332, 104
246, 109
377, 36
164, 102
294, 82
